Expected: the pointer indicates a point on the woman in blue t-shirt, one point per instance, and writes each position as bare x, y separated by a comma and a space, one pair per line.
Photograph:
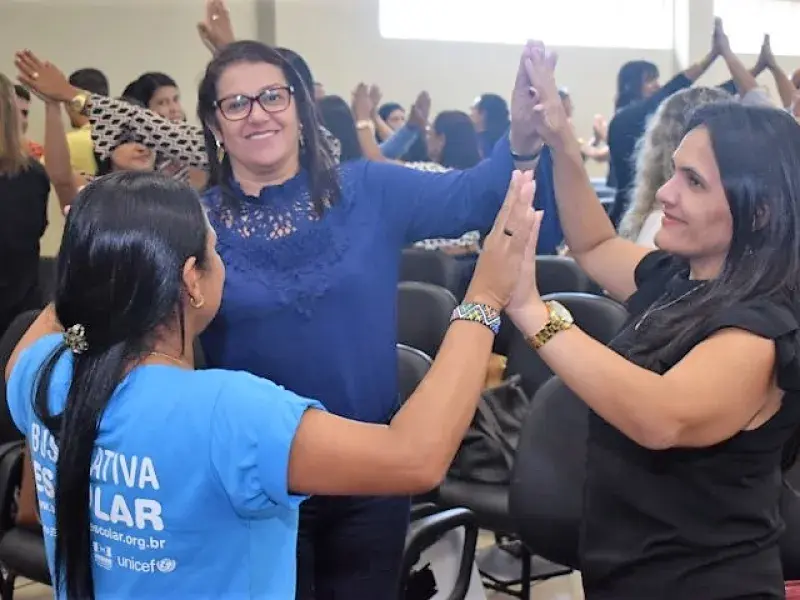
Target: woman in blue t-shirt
155, 480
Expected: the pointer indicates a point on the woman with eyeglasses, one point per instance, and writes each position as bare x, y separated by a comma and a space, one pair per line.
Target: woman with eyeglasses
312, 252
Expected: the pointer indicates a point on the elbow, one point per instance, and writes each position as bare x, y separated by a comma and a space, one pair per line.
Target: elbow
661, 435
424, 471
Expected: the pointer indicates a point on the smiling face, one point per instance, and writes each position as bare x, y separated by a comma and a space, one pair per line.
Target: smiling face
697, 222
268, 138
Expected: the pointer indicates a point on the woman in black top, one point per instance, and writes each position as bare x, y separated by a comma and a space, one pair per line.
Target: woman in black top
24, 188
696, 406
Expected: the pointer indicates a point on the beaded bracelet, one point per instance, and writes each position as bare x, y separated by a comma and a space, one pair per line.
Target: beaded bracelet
479, 313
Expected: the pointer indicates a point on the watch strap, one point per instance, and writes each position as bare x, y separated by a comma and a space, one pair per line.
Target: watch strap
479, 313
523, 158
553, 326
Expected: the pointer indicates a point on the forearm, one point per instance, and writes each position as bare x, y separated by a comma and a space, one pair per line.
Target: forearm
432, 423
182, 142
56, 155
625, 395
384, 131
583, 218
786, 89
744, 79
697, 70
369, 146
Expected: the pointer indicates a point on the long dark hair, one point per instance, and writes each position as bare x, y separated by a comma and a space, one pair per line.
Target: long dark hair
630, 80
143, 88
461, 142
337, 118
315, 157
762, 186
120, 268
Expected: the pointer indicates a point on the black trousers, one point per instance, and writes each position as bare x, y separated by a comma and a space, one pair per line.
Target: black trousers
350, 548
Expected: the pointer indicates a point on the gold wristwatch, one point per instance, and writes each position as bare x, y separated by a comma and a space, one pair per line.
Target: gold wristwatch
559, 319
80, 103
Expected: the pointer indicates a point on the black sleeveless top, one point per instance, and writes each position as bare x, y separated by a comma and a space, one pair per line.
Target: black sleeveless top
694, 524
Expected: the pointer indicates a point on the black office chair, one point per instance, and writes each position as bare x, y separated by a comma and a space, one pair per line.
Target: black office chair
423, 315
546, 497
554, 275
431, 266
599, 317
412, 366
21, 548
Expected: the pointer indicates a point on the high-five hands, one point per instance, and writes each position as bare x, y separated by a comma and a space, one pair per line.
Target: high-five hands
510, 245
547, 117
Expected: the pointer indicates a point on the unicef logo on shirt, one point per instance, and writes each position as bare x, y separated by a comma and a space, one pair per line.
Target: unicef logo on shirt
166, 565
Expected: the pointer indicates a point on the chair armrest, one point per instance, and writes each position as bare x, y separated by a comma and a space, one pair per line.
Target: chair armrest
424, 509
10, 479
428, 530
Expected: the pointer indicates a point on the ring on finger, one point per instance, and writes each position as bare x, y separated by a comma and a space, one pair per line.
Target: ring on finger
35, 75
508, 232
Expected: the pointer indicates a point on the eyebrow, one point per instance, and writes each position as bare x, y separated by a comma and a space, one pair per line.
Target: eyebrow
689, 171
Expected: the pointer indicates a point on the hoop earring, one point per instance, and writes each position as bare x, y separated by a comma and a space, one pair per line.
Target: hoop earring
197, 303
220, 151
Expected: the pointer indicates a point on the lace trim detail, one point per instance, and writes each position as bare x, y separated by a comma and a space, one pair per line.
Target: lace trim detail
280, 244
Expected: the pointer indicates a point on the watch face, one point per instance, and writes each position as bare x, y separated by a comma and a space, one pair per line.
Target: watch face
561, 313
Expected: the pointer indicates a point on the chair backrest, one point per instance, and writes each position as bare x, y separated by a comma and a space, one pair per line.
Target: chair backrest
598, 316
430, 266
9, 341
423, 315
412, 366
556, 274
546, 492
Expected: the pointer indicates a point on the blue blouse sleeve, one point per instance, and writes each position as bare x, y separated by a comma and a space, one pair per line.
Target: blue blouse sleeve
253, 427
400, 142
419, 205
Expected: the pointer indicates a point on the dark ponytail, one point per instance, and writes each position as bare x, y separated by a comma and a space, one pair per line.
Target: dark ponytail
120, 269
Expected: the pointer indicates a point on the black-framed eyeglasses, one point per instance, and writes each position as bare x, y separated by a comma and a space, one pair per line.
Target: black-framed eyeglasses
271, 99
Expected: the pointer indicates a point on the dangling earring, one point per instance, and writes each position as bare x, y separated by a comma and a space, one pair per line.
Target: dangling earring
302, 137
197, 303
220, 151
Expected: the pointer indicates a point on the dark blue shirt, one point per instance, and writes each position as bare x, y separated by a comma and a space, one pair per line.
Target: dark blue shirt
310, 303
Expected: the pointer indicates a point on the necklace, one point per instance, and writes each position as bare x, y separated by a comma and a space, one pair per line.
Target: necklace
178, 361
655, 308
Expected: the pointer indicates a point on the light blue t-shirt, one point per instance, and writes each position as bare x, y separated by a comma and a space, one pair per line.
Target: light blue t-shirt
189, 493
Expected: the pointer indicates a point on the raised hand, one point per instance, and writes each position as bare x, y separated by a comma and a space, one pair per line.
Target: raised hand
376, 96
525, 140
721, 44
766, 58
511, 241
361, 104
216, 30
547, 117
421, 112
43, 78
600, 128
